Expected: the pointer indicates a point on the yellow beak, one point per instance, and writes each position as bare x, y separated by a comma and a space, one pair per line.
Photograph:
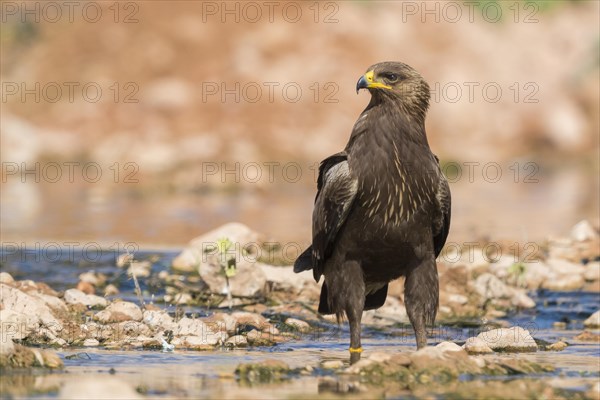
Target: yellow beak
367, 81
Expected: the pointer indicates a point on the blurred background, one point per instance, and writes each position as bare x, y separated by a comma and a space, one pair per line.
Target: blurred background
154, 121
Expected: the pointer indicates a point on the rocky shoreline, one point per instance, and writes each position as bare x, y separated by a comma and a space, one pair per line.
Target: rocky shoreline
270, 305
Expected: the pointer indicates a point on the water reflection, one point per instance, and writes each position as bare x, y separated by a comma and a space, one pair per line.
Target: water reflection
162, 212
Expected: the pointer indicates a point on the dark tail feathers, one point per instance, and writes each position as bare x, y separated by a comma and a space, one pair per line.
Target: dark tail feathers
372, 301
304, 261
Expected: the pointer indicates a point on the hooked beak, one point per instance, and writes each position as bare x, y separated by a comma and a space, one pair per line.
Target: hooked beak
367, 81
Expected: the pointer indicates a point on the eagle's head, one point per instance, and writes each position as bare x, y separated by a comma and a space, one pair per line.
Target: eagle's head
398, 83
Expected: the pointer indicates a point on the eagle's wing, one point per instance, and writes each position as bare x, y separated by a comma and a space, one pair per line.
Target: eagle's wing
336, 192
442, 225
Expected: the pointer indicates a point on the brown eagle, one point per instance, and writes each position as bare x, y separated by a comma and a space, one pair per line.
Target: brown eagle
382, 208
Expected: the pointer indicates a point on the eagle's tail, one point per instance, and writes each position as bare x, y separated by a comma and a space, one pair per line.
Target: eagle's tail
304, 261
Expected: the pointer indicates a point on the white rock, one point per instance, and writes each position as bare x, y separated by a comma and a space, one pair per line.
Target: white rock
565, 267
191, 327
509, 339
476, 345
380, 356
457, 298
51, 301
91, 342
158, 319
564, 282
195, 254
7, 346
7, 278
93, 277
593, 321
284, 278
521, 299
35, 312
448, 346
74, 296
249, 279
332, 364
592, 271
489, 287
129, 309
583, 231
237, 341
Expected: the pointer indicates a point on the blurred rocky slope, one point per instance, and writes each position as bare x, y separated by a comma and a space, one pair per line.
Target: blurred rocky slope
174, 50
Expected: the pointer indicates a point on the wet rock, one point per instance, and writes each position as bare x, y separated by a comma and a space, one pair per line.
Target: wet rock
583, 231
245, 320
6, 278
84, 388
515, 339
94, 278
587, 336
74, 296
194, 256
299, 325
262, 372
445, 360
593, 321
124, 260
119, 311
91, 343
158, 319
29, 357
558, 346
200, 343
179, 298
111, 290
475, 345
237, 341
86, 287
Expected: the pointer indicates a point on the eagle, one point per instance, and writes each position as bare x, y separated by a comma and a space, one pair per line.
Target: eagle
382, 209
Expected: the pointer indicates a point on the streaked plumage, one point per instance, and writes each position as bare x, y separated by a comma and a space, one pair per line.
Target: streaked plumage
382, 208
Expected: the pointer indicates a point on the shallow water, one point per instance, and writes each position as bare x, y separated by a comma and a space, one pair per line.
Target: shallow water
211, 373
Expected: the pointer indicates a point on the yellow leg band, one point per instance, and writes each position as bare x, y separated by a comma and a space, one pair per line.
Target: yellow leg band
357, 350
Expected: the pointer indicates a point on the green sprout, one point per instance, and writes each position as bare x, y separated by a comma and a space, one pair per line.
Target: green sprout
517, 273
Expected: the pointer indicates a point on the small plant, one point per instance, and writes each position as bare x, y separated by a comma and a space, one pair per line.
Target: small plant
517, 272
227, 263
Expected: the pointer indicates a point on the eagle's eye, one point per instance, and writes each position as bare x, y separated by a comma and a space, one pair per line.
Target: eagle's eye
390, 77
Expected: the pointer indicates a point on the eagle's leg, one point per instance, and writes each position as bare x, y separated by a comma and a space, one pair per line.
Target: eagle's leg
421, 296
347, 295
